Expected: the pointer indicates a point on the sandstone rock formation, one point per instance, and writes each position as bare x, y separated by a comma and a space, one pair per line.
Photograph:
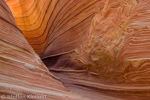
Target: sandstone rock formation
92, 45
21, 70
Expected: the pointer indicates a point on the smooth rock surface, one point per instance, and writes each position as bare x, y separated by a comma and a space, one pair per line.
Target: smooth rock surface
21, 70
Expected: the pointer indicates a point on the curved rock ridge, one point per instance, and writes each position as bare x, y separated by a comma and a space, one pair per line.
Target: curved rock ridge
98, 45
21, 70
45, 23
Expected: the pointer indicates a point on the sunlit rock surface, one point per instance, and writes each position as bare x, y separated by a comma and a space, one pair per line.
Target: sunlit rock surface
21, 70
99, 48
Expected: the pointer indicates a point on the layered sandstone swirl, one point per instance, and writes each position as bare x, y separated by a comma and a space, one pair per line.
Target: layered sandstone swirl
100, 49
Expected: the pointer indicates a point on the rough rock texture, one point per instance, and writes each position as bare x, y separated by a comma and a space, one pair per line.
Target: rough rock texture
98, 45
21, 70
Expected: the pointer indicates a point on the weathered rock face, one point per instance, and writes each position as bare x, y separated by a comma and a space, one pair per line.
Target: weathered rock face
108, 40
21, 70
118, 41
120, 35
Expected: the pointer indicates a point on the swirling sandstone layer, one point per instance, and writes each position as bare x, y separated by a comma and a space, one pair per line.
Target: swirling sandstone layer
101, 44
45, 23
21, 70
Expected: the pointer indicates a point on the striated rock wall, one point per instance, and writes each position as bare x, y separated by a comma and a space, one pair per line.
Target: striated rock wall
21, 70
45, 23
108, 39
